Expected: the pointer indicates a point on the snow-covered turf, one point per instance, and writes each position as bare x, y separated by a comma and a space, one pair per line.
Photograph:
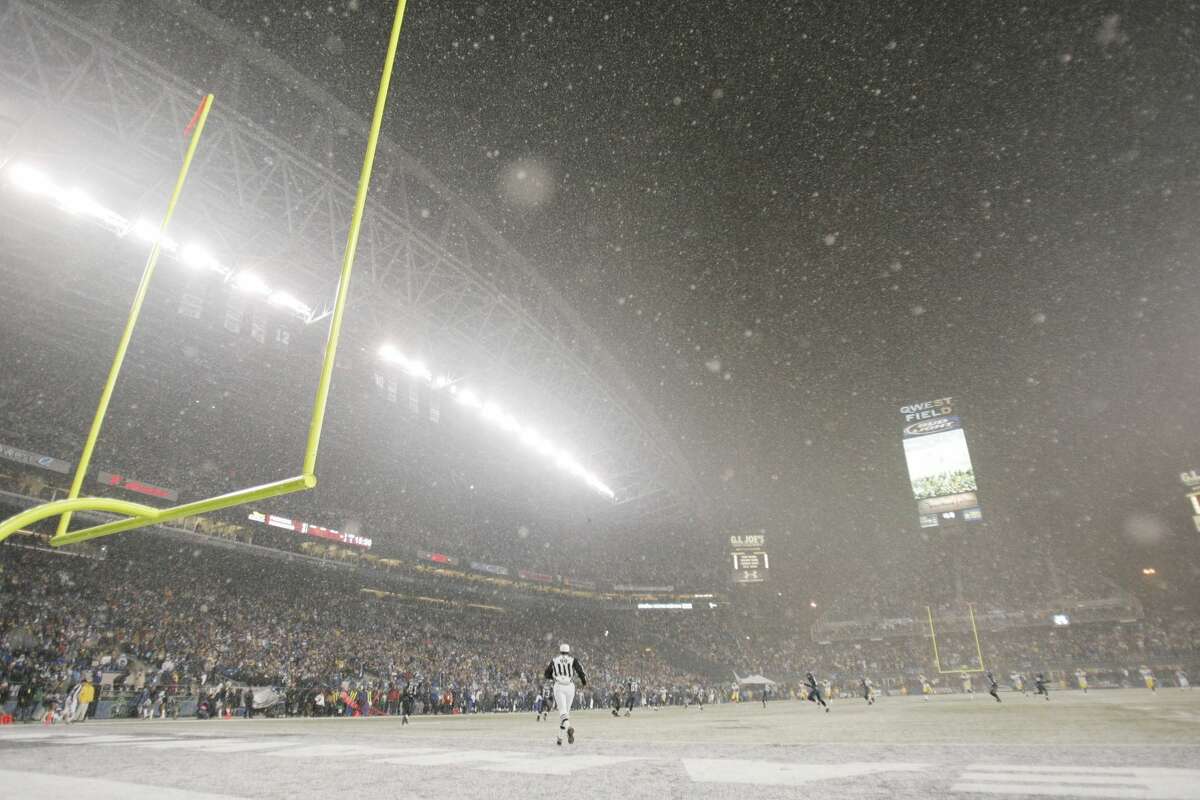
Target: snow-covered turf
1120, 744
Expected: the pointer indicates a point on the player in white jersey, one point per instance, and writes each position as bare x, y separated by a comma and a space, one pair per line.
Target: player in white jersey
563, 669
1181, 679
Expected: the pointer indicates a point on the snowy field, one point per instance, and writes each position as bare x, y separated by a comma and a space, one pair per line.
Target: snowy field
1121, 744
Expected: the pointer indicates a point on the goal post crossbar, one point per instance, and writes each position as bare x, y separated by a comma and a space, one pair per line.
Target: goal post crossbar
937, 659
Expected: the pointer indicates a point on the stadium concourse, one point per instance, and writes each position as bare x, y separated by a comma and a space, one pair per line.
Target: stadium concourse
1119, 744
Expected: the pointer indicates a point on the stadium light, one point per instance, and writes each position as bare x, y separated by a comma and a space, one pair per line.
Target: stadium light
194, 255
418, 370
76, 201
1149, 571
30, 179
286, 300
465, 397
250, 283
492, 412
148, 232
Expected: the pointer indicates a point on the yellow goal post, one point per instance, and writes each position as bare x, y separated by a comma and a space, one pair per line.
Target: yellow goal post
937, 659
138, 515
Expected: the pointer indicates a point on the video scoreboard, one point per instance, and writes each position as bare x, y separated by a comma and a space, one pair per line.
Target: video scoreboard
1191, 481
750, 559
939, 464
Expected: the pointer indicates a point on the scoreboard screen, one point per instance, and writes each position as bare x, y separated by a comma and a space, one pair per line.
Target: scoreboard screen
939, 463
1191, 480
750, 559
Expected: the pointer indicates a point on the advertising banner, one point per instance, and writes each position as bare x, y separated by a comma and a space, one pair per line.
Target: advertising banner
129, 484
578, 584
437, 558
491, 569
305, 528
34, 459
625, 587
939, 464
525, 574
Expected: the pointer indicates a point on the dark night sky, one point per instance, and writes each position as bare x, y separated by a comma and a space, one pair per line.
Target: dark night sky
786, 220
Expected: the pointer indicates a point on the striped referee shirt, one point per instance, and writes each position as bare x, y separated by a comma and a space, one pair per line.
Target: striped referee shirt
563, 669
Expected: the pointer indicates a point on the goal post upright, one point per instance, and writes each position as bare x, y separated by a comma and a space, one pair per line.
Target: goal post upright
975, 633
135, 310
138, 515
937, 660
343, 288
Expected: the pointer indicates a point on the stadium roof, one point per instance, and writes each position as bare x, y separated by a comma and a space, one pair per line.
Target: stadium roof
272, 187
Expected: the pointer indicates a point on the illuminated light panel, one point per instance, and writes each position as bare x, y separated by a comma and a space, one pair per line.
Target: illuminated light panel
286, 300
29, 179
251, 283
194, 255
493, 413
75, 201
465, 397
148, 232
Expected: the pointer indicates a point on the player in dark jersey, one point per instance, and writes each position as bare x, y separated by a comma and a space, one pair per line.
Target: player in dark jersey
631, 689
406, 703
993, 687
544, 703
615, 701
814, 691
1041, 686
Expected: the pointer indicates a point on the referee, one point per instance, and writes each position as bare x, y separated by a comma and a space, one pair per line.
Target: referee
563, 669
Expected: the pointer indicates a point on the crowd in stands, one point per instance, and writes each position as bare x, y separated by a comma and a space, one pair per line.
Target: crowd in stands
159, 621
1163, 641
157, 616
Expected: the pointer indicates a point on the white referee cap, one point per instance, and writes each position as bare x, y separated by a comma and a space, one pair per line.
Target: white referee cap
564, 648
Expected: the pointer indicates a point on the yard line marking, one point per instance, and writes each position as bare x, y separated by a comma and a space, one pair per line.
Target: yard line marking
39, 786
106, 739
1075, 779
363, 751
25, 736
781, 773
569, 763
1145, 783
217, 745
183, 744
461, 757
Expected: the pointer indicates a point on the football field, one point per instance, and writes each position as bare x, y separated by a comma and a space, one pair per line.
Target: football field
1118, 743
